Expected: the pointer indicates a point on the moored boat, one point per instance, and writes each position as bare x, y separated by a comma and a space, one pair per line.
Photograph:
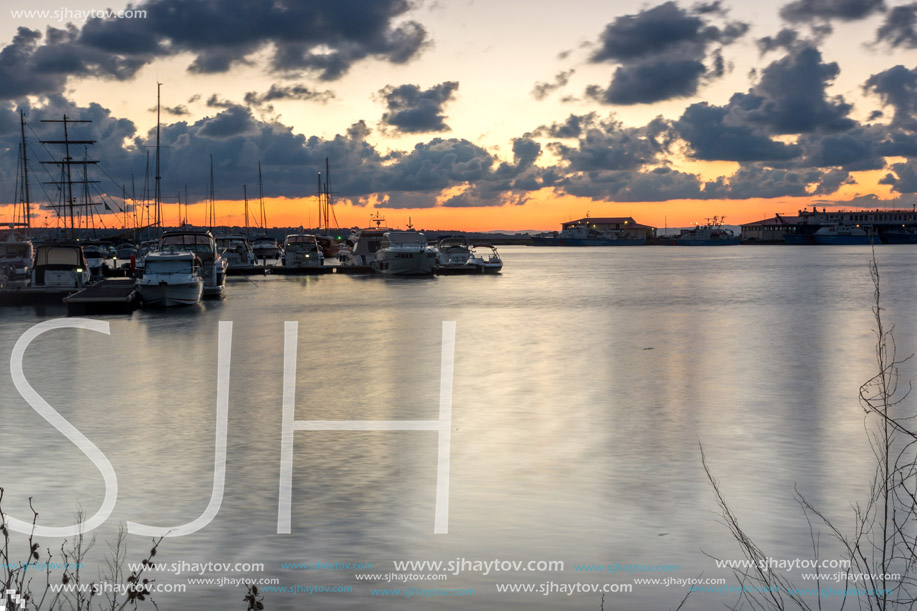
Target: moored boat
404, 253
842, 235
60, 265
202, 244
302, 250
170, 279
486, 259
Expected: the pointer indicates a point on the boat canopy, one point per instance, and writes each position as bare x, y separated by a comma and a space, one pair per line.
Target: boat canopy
70, 256
14, 250
191, 242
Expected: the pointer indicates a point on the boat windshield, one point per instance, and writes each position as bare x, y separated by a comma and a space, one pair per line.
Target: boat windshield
59, 255
168, 266
187, 243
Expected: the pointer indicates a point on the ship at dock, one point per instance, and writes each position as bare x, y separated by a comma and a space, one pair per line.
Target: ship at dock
616, 231
838, 227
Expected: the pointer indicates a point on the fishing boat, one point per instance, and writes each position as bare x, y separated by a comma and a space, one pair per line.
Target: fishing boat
842, 235
453, 254
16, 263
60, 265
170, 279
404, 253
202, 244
301, 250
237, 250
486, 259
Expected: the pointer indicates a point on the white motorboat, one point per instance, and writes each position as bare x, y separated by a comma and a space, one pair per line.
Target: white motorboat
237, 250
60, 265
453, 254
404, 253
301, 250
95, 255
266, 247
171, 279
16, 263
360, 247
202, 244
486, 259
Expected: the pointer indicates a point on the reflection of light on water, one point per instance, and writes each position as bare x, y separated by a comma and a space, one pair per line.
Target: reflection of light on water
571, 439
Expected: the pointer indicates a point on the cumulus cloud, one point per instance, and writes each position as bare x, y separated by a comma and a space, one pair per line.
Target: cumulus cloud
543, 89
663, 52
326, 38
297, 91
823, 10
415, 110
900, 27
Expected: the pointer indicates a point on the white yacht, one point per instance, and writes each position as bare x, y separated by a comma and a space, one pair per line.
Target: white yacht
486, 259
454, 254
202, 244
404, 253
16, 263
360, 248
171, 279
237, 250
60, 265
266, 247
300, 250
95, 256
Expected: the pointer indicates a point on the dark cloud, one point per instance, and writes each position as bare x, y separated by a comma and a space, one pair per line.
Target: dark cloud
714, 135
609, 145
542, 89
897, 87
823, 10
663, 52
307, 35
288, 92
902, 178
900, 27
176, 111
215, 101
571, 127
415, 110
785, 39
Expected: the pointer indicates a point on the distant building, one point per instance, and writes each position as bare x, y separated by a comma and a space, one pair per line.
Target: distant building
769, 231
616, 224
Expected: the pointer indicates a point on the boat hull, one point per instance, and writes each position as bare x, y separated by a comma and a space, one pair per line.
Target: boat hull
405, 264
729, 242
171, 295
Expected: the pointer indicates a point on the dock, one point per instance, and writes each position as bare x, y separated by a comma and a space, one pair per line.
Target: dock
112, 295
279, 270
33, 296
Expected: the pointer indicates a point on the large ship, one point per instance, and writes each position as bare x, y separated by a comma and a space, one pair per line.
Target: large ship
713, 233
617, 231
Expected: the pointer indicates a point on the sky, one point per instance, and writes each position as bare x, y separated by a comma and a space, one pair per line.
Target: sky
501, 115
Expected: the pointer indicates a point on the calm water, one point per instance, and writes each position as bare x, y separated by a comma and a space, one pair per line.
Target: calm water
584, 379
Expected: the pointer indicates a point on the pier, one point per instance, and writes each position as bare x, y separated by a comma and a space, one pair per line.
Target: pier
110, 295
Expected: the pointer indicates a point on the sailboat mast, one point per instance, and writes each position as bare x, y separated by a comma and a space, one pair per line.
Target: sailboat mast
245, 196
213, 216
158, 196
327, 218
25, 175
321, 200
261, 198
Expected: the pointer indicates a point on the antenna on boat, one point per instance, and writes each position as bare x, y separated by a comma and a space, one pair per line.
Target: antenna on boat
211, 208
378, 219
